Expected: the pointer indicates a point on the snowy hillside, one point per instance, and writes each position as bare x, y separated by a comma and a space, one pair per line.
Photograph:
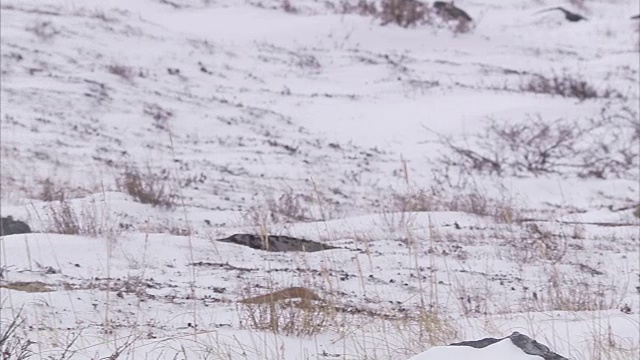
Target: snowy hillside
475, 178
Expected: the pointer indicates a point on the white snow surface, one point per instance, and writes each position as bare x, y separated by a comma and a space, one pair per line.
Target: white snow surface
500, 350
317, 124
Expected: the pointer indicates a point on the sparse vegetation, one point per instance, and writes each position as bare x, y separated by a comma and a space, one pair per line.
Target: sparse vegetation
599, 147
404, 13
565, 85
288, 7
408, 14
125, 72
280, 136
44, 30
81, 217
13, 346
160, 116
287, 207
469, 200
296, 317
360, 7
50, 191
149, 187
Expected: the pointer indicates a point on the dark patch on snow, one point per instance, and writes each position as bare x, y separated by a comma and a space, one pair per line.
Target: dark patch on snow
478, 344
527, 344
8, 226
277, 243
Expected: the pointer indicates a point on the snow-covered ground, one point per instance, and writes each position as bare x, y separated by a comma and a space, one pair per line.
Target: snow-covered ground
321, 124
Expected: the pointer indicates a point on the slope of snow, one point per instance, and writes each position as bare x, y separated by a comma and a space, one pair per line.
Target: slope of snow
500, 350
315, 124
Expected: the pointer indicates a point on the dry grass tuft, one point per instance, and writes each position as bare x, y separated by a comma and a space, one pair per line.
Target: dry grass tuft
289, 314
149, 187
565, 85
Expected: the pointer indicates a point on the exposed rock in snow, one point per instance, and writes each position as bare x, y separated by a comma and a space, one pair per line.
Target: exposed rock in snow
8, 226
276, 243
521, 347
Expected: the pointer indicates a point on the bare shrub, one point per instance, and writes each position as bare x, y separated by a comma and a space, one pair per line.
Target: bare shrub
148, 187
427, 327
160, 116
12, 345
537, 244
288, 7
50, 191
466, 199
404, 13
637, 30
44, 30
564, 294
89, 220
456, 19
417, 200
290, 207
361, 7
565, 85
600, 147
64, 219
127, 73
475, 202
297, 317
461, 27
579, 4
606, 343
286, 207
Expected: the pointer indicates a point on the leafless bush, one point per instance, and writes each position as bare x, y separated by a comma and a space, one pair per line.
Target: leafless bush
416, 201
405, 13
12, 345
579, 4
637, 30
289, 317
64, 219
464, 199
160, 116
454, 18
44, 30
565, 85
307, 61
126, 72
565, 294
148, 187
428, 327
288, 7
537, 244
460, 27
475, 202
89, 220
50, 191
288, 207
361, 7
600, 147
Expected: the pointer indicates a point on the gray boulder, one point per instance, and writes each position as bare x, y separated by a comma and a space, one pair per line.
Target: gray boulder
278, 243
8, 226
525, 343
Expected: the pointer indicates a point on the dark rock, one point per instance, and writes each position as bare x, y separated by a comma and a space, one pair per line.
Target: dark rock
532, 347
478, 344
8, 226
527, 344
449, 11
277, 243
570, 16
